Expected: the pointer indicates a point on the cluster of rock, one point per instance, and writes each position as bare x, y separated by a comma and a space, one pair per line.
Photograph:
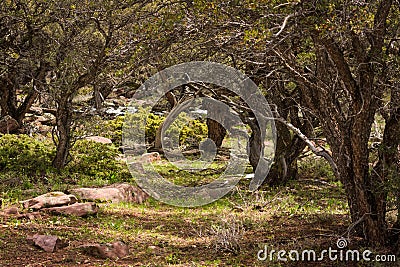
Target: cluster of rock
78, 202
52, 243
41, 120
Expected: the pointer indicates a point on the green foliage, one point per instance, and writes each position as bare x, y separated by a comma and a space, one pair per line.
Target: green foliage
99, 161
315, 168
142, 120
190, 131
113, 130
25, 163
24, 154
193, 132
96, 125
152, 123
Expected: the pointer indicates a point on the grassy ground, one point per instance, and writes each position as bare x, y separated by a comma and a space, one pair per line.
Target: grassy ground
310, 213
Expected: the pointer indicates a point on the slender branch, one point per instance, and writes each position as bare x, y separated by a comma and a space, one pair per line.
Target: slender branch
283, 26
319, 151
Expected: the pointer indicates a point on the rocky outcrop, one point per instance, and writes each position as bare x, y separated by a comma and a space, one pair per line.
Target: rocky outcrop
52, 199
76, 209
114, 193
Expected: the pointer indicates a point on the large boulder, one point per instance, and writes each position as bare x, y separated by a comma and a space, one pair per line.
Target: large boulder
114, 193
52, 199
76, 209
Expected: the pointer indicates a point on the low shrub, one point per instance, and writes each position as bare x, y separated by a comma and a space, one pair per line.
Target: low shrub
97, 160
25, 154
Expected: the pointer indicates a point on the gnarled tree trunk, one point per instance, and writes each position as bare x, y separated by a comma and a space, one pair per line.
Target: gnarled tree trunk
63, 132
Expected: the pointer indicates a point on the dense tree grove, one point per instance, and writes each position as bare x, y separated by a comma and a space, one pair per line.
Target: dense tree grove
329, 70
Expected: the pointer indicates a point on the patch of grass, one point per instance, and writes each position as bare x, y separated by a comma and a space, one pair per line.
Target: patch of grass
189, 177
315, 167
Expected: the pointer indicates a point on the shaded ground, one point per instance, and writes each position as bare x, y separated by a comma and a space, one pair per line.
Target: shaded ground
306, 215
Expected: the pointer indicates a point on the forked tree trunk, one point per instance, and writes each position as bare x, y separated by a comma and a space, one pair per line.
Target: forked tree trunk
9, 103
158, 138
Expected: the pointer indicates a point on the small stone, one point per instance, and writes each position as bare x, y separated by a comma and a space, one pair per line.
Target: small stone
31, 216
11, 211
116, 250
48, 243
150, 157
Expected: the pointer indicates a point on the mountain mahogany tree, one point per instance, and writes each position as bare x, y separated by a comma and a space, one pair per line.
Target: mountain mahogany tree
327, 63
24, 49
236, 33
339, 54
58, 48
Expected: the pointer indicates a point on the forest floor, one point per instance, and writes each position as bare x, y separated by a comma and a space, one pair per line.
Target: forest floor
310, 213
306, 214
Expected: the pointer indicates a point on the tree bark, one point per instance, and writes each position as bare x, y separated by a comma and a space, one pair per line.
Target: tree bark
216, 132
64, 122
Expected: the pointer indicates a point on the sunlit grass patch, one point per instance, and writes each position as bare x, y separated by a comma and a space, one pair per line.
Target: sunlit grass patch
193, 176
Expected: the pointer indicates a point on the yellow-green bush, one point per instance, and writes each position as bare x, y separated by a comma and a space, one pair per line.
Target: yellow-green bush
24, 154
97, 160
190, 131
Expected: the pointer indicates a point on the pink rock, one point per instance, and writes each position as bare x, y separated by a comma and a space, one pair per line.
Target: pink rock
12, 211
51, 199
48, 243
77, 209
115, 250
99, 139
151, 157
113, 193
